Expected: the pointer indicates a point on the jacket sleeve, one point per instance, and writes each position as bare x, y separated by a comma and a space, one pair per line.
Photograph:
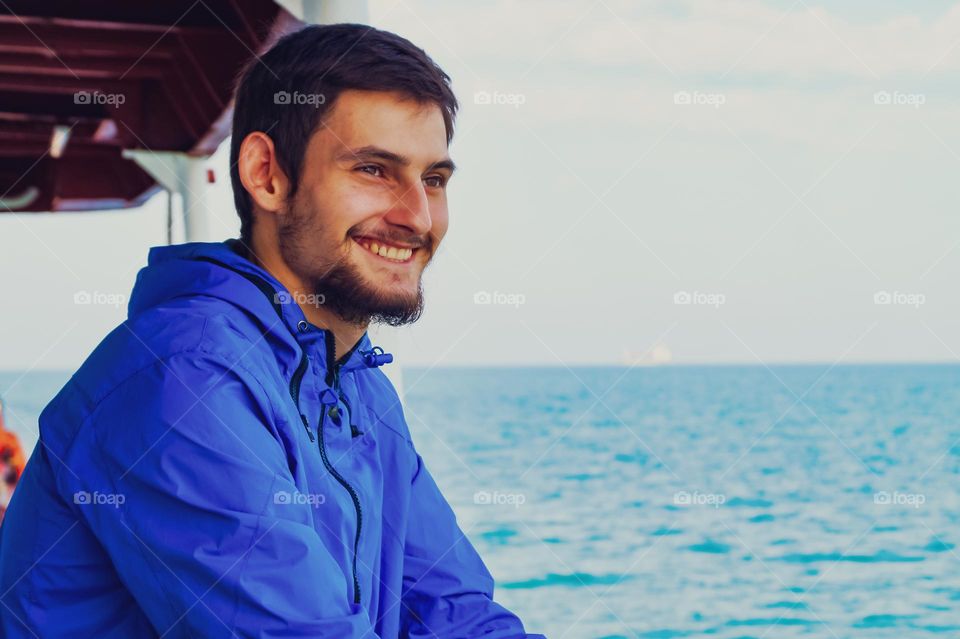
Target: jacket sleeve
187, 488
447, 589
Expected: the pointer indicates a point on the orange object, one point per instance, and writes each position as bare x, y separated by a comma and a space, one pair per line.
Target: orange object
12, 462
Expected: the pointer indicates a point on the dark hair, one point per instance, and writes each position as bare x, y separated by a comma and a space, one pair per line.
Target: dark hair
323, 60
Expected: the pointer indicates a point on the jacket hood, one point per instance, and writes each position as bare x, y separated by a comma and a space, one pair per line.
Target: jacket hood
221, 270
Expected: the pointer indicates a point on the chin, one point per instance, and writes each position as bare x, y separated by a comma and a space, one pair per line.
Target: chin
387, 283
394, 296
360, 292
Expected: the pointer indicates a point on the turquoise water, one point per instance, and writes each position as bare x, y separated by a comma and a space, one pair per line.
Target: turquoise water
693, 501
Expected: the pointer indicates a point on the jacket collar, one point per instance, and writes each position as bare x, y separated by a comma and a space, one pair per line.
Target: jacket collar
221, 269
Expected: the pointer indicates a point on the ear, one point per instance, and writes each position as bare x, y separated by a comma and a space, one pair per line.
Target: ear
260, 173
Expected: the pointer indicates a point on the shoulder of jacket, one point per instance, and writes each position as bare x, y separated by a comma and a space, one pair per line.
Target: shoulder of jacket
172, 357
161, 337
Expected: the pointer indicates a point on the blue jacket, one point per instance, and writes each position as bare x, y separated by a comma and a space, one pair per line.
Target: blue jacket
214, 469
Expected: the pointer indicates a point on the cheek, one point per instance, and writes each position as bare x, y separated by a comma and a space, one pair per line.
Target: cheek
361, 205
339, 208
440, 221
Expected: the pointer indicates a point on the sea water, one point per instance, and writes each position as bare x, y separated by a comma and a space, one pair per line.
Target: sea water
739, 501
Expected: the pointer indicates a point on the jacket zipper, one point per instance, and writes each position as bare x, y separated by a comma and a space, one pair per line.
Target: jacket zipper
356, 504
295, 392
333, 368
295, 382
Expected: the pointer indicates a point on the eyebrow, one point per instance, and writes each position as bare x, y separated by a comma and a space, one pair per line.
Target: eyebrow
375, 152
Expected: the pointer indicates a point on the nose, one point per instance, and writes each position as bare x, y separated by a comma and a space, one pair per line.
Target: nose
412, 210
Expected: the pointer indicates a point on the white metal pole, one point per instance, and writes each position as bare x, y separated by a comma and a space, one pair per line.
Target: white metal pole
186, 175
194, 192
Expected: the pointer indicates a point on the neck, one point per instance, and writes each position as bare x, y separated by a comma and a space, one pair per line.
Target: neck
346, 334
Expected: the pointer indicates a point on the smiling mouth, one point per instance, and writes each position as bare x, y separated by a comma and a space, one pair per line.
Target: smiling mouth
388, 252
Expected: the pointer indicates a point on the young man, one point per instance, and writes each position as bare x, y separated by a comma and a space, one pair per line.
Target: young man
230, 461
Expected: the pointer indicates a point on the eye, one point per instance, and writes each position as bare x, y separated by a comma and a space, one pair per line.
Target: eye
440, 181
367, 168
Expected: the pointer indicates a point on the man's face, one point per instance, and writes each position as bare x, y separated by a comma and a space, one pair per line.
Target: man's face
371, 207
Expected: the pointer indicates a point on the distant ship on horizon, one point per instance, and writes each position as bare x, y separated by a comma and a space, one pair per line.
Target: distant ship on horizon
659, 355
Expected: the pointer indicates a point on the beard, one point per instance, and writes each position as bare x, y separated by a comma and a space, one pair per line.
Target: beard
338, 284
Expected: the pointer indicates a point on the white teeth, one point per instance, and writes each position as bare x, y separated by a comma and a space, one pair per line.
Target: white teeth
389, 252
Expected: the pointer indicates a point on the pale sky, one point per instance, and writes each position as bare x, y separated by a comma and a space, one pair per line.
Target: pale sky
781, 163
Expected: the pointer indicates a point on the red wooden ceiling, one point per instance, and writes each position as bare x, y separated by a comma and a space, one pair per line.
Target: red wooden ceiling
119, 74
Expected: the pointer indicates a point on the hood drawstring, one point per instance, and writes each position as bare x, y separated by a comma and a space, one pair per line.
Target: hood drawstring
376, 357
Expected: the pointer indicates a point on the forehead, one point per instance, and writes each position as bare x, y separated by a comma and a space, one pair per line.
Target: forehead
386, 120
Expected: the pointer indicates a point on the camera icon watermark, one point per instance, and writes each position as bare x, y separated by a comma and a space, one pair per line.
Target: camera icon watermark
699, 298
85, 498
302, 299
899, 298
499, 298
699, 98
99, 298
898, 98
497, 498
286, 98
284, 498
914, 500
696, 498
99, 98
487, 98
